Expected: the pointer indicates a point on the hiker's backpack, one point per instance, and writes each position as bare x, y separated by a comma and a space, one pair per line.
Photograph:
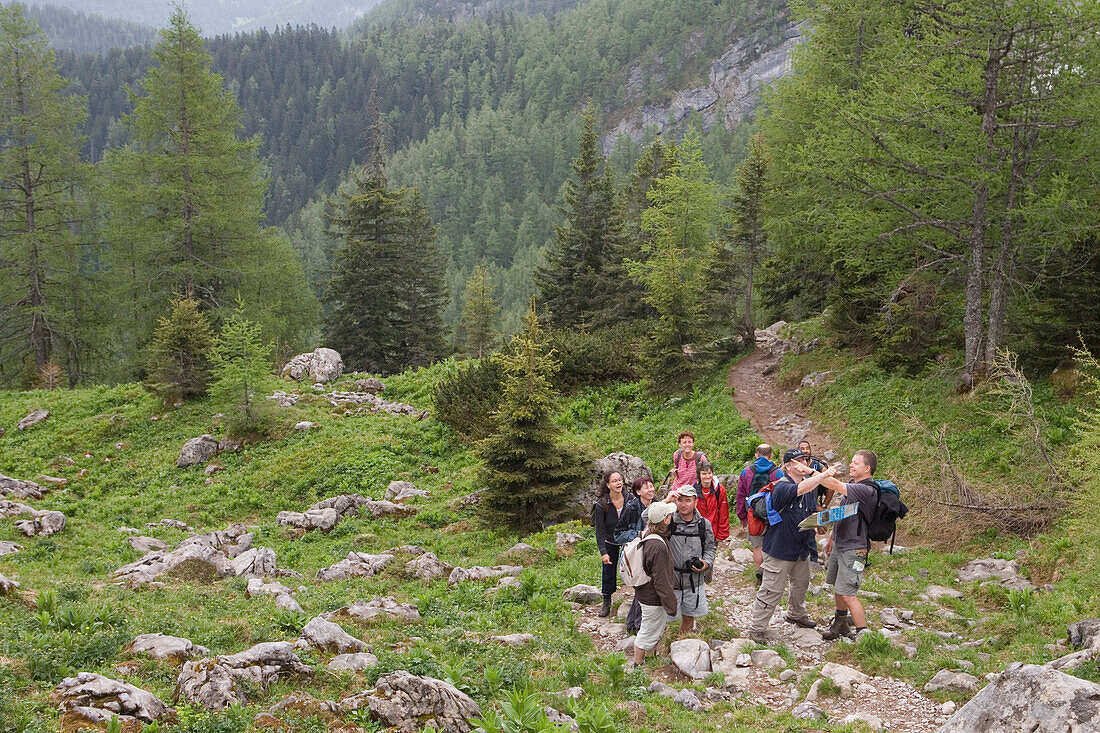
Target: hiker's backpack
881, 519
759, 506
630, 561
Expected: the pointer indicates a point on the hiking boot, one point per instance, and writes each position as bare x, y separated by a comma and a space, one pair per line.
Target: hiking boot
838, 628
758, 637
805, 622
605, 609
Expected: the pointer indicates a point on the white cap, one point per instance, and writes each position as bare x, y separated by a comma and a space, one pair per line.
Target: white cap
658, 510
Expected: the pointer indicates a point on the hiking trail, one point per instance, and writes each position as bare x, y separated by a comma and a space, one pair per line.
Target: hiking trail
779, 420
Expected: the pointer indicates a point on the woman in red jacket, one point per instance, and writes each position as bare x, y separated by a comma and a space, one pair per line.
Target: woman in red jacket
713, 502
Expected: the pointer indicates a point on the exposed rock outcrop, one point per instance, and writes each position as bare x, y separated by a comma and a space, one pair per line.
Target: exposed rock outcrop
321, 366
355, 565
17, 489
478, 572
214, 683
406, 703
32, 419
384, 606
96, 698
42, 524
162, 646
197, 450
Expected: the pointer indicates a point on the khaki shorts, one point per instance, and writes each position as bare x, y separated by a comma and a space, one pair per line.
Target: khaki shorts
841, 573
691, 603
756, 540
654, 620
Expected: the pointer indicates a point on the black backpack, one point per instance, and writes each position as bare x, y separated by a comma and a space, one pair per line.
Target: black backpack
881, 519
760, 479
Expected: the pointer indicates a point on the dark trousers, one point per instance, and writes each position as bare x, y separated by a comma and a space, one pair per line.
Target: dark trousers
634, 618
610, 573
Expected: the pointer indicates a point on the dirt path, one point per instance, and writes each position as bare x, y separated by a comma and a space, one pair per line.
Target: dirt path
779, 420
773, 413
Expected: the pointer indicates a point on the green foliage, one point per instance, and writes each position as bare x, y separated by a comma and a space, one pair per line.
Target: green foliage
681, 222
386, 291
41, 265
176, 360
479, 313
597, 357
467, 398
614, 671
528, 471
579, 282
241, 363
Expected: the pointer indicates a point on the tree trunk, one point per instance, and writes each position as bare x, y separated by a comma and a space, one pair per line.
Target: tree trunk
39, 332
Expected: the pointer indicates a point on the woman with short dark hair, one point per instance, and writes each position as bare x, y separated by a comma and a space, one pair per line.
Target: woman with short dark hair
605, 517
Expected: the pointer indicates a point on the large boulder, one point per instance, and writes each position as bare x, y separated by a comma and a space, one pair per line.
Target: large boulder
322, 366
405, 703
1027, 697
82, 696
216, 683
32, 419
988, 568
322, 519
343, 504
691, 657
190, 562
197, 450
631, 467
322, 634
7, 585
18, 489
371, 385
480, 572
950, 681
353, 662
7, 548
162, 646
428, 567
581, 593
401, 491
42, 524
355, 565
843, 677
259, 562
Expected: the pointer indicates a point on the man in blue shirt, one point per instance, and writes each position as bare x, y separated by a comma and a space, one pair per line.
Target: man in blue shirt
788, 549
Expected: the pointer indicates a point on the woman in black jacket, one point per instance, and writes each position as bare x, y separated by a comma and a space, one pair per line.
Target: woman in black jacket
605, 516
632, 525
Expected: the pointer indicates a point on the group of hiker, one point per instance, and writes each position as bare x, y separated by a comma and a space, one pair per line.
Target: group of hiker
669, 546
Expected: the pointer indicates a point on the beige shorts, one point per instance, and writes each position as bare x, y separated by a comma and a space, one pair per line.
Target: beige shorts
654, 620
840, 572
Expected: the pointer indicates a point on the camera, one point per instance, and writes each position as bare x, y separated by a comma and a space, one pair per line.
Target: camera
696, 564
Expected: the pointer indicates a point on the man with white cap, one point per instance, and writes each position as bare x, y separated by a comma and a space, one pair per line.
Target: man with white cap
691, 541
657, 597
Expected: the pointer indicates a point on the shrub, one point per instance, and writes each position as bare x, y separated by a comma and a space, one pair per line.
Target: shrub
241, 364
176, 358
594, 358
465, 401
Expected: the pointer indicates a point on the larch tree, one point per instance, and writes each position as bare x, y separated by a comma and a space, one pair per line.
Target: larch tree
479, 313
681, 224
186, 197
40, 170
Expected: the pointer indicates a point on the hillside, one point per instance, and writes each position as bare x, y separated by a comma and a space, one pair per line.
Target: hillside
116, 449
79, 32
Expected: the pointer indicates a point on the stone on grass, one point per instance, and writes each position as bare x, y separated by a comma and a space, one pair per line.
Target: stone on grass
767, 659
322, 634
691, 657
88, 690
43, 524
950, 681
401, 491
286, 602
14, 508
32, 419
843, 677
343, 504
520, 550
321, 366
479, 572
197, 450
322, 519
936, 592
305, 425
628, 466
215, 684
1027, 697
724, 658
189, 562
807, 711
371, 385
872, 722
355, 565
147, 544
7, 585
987, 568
376, 509
566, 540
1084, 633
259, 562
353, 662
18, 489
513, 639
162, 646
385, 606
54, 481
689, 700
428, 567
582, 594
208, 684
7, 548
257, 587
407, 703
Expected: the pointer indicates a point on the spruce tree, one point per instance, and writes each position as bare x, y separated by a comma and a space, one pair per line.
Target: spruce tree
40, 170
241, 364
681, 223
479, 313
177, 361
576, 282
387, 289
528, 472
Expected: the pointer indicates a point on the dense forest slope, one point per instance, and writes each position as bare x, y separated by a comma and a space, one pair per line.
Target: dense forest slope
77, 31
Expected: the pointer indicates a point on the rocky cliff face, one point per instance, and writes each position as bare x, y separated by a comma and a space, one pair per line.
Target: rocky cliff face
730, 96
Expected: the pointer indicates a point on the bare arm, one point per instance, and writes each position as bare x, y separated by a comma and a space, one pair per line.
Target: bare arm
809, 484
